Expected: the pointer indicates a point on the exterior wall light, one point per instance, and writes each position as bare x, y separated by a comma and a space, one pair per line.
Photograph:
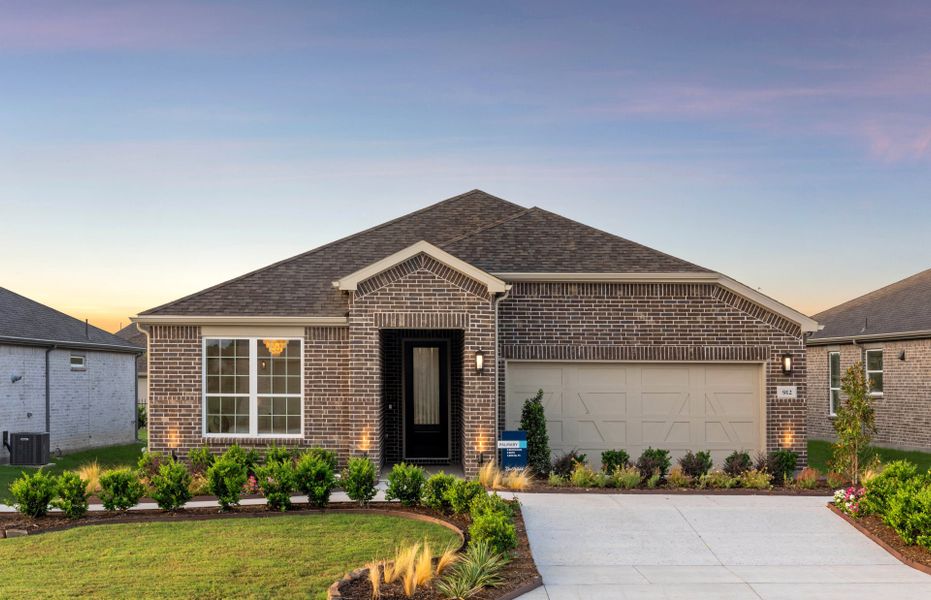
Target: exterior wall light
786, 364
479, 361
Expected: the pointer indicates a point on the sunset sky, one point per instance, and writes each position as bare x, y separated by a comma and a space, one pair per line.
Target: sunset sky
151, 149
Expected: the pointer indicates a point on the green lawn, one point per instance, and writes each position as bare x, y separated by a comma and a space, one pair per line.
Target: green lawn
295, 556
111, 456
819, 453
143, 435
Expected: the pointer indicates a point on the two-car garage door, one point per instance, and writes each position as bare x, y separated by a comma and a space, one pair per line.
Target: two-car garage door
678, 406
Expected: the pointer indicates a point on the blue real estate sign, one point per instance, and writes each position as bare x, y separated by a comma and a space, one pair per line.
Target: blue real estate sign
513, 447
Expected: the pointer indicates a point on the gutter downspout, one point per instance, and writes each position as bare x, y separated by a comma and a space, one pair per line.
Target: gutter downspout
48, 397
135, 397
498, 363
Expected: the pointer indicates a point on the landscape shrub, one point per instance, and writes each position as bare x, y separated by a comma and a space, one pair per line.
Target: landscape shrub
533, 421
652, 461
518, 480
755, 480
171, 486
461, 494
653, 480
781, 465
325, 455
201, 459
142, 415
696, 464
677, 478
718, 480
90, 473
480, 567
314, 477
434, 492
490, 476
484, 504
276, 480
496, 529
276, 454
807, 478
612, 459
556, 481
120, 489
149, 463
909, 511
854, 424
32, 494
584, 476
626, 478
359, 479
72, 495
247, 459
881, 488
405, 483
225, 479
565, 462
850, 500
737, 463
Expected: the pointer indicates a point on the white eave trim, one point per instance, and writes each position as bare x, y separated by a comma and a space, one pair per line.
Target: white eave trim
239, 320
351, 282
866, 337
806, 323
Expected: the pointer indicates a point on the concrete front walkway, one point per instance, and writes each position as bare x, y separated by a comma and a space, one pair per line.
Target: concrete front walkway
594, 546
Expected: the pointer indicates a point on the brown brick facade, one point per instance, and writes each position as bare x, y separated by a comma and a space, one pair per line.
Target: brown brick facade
657, 322
903, 413
345, 382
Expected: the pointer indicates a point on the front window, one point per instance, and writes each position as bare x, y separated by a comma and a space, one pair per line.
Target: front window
874, 371
834, 385
253, 386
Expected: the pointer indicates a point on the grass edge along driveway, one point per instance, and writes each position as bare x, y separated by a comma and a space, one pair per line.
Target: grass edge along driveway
291, 556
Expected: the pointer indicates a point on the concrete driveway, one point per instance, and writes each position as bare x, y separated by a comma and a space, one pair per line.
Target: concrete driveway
694, 547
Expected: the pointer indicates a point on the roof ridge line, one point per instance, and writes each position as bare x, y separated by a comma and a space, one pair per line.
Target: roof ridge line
614, 235
323, 247
877, 291
486, 227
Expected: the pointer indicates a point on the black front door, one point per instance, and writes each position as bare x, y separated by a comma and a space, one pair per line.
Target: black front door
426, 399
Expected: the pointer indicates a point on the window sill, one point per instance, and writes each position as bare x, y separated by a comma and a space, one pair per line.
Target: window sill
876, 394
263, 437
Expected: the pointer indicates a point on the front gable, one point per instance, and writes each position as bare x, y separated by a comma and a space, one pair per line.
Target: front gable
418, 257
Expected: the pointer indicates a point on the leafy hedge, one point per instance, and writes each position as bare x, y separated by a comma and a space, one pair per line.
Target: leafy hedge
901, 497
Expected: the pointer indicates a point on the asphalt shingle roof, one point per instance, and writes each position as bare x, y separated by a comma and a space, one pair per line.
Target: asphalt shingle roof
488, 232
28, 321
902, 307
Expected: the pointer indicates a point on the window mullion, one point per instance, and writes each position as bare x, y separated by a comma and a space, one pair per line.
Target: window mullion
253, 388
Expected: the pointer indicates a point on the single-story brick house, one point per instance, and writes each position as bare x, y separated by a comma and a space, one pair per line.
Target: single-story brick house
889, 332
419, 340
65, 377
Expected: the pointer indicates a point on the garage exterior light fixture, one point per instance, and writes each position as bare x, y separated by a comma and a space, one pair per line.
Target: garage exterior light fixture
786, 364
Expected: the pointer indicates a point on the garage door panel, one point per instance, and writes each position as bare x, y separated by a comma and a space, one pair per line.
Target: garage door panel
593, 407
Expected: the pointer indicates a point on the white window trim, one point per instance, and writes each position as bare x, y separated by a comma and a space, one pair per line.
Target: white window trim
866, 363
253, 394
82, 366
831, 390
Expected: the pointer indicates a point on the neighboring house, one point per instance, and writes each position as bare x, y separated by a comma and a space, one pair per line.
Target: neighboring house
419, 340
889, 332
63, 376
131, 334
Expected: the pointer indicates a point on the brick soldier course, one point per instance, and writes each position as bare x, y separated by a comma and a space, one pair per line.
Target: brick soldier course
472, 283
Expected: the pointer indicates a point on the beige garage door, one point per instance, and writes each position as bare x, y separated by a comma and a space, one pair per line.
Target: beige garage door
680, 407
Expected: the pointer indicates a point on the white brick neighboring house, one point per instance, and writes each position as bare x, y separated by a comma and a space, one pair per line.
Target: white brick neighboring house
84, 398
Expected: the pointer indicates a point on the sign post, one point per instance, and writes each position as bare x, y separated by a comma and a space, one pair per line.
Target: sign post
513, 447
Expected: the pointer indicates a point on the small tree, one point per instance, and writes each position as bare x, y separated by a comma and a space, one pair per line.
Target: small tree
854, 424
533, 421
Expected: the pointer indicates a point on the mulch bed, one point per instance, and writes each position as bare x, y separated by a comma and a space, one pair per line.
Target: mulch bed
59, 522
520, 577
542, 488
917, 557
